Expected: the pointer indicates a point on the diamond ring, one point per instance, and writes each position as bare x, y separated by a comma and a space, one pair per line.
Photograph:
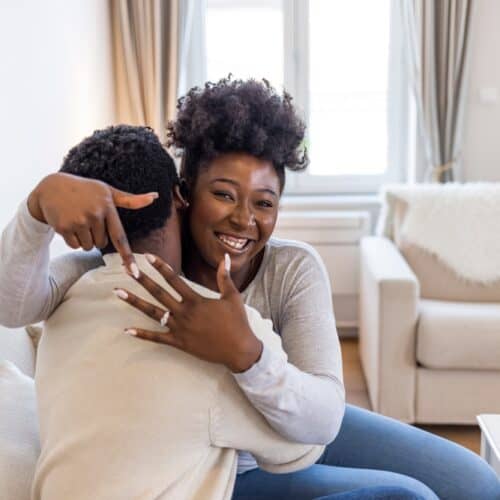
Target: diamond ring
164, 318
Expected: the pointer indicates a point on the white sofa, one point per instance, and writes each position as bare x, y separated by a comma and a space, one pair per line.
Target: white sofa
19, 434
429, 340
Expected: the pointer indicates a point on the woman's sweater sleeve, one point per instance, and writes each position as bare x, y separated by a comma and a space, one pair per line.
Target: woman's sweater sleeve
30, 287
302, 397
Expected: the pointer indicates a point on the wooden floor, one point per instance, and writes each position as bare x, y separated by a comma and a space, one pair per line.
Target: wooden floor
357, 394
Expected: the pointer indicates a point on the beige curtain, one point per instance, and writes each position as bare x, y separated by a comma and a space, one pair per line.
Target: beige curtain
438, 43
145, 48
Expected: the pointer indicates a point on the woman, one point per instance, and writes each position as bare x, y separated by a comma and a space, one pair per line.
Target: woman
237, 138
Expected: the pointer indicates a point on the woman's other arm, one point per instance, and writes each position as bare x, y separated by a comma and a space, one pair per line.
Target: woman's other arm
302, 398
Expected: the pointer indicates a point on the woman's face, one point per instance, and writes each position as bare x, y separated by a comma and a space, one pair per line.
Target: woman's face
234, 207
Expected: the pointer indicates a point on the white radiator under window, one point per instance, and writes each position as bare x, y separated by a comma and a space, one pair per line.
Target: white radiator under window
335, 234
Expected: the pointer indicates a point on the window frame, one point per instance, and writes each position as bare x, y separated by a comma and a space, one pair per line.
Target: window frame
296, 80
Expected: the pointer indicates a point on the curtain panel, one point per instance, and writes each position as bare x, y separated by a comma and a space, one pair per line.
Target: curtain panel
145, 58
438, 39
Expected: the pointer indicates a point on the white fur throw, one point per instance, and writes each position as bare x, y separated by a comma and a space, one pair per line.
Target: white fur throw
459, 223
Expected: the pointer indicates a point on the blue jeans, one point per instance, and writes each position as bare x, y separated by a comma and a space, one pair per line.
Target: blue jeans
375, 493
372, 450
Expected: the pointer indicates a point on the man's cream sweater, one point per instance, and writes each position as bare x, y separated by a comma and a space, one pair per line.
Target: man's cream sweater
124, 418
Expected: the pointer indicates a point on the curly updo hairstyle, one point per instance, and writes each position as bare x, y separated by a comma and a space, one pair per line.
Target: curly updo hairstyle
237, 116
131, 159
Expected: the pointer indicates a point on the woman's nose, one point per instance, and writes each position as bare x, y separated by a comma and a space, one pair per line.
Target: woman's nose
242, 216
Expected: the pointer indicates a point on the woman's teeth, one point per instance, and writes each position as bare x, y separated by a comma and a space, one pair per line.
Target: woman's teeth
237, 243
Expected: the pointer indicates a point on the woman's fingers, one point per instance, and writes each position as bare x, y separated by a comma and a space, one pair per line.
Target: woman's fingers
157, 313
71, 240
132, 201
99, 234
173, 279
159, 293
85, 238
224, 280
120, 242
167, 338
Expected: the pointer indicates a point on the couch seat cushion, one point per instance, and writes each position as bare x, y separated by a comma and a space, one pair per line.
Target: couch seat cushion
458, 335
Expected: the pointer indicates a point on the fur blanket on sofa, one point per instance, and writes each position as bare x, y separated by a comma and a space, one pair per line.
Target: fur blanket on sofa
459, 223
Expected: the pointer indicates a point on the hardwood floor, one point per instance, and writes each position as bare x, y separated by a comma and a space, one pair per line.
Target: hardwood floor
357, 394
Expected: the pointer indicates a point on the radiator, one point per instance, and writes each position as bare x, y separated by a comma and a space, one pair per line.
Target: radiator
335, 234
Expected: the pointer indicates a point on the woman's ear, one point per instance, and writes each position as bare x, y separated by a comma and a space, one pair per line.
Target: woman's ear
180, 195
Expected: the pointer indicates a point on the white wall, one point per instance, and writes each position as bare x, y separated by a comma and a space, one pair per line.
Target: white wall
482, 126
55, 87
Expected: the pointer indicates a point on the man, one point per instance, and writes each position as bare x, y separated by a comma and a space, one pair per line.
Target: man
121, 417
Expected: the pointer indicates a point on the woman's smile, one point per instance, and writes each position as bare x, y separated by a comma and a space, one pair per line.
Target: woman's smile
234, 244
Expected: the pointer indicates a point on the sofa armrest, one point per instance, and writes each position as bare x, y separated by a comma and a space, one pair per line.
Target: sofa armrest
17, 347
389, 293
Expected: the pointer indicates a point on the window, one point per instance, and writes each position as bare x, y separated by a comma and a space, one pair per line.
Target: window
333, 57
245, 38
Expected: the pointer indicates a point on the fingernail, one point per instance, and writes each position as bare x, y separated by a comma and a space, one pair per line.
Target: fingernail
130, 331
227, 262
122, 294
134, 270
150, 258
154, 195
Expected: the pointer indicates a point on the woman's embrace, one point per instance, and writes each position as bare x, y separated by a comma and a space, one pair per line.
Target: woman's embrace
236, 139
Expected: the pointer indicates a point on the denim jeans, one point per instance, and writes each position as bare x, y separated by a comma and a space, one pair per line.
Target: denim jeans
372, 450
375, 493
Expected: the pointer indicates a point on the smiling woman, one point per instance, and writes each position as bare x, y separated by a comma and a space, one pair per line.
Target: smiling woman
234, 207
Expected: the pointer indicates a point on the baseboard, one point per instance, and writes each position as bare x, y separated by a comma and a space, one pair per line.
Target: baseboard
347, 332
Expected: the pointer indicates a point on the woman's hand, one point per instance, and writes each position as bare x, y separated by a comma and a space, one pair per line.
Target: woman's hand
210, 329
83, 211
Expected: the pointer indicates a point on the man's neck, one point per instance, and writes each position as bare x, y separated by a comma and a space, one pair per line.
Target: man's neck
158, 244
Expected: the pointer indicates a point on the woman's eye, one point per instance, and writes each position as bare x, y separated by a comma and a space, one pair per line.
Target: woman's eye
224, 194
265, 204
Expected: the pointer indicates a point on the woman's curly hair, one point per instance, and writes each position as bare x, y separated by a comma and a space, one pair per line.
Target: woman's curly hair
246, 116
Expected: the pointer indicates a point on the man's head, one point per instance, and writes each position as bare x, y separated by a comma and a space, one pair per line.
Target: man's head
131, 159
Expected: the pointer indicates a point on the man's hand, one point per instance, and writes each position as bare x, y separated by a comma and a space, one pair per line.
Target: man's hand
83, 211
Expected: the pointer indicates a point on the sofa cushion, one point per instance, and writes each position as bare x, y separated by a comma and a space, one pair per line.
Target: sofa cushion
458, 335
437, 280
19, 435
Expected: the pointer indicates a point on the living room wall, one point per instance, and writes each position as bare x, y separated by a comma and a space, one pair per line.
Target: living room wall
56, 87
482, 126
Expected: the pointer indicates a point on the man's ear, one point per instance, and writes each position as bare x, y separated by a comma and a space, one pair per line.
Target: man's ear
180, 200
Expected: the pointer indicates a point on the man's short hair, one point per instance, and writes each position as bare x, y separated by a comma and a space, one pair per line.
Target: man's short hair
131, 159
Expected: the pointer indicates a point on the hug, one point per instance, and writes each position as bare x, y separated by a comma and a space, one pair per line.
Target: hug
192, 355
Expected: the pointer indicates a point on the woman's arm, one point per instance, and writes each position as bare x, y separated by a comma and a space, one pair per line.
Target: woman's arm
84, 212
302, 395
30, 288
303, 398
